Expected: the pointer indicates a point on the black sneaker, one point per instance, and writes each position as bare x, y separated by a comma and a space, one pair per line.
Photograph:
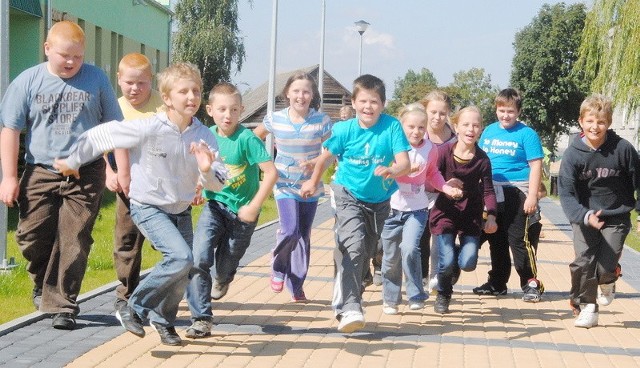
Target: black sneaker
488, 289
442, 303
64, 321
168, 335
532, 291
129, 319
36, 297
219, 290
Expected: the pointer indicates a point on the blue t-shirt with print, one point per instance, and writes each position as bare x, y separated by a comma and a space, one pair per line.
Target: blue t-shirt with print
360, 150
510, 150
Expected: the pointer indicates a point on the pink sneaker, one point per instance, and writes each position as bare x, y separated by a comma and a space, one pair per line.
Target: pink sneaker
276, 284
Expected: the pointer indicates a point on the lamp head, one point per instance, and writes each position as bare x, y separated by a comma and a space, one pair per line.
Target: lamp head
361, 26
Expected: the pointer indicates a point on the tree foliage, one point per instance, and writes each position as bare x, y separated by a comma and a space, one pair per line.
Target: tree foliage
207, 36
411, 88
545, 52
473, 87
610, 50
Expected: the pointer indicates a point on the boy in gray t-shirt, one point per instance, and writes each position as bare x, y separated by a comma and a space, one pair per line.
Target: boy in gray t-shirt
54, 102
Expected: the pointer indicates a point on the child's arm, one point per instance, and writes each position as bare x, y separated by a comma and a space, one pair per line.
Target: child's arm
401, 166
250, 211
9, 145
261, 131
436, 180
124, 169
535, 177
308, 188
213, 173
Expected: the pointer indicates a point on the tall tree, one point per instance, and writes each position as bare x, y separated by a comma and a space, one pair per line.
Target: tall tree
207, 36
610, 50
411, 88
545, 52
473, 87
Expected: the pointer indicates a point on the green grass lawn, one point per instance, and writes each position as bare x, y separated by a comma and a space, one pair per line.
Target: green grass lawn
16, 285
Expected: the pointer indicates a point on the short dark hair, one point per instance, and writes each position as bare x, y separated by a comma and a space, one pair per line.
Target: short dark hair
371, 83
509, 96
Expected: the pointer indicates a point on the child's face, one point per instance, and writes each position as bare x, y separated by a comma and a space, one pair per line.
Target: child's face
225, 110
469, 127
595, 127
345, 114
414, 126
368, 106
300, 94
437, 112
183, 98
64, 57
507, 115
135, 85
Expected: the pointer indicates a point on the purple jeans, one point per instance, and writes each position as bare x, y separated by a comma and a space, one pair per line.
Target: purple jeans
293, 244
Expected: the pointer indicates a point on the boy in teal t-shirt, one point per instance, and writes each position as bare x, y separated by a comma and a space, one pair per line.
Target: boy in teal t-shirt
371, 151
229, 218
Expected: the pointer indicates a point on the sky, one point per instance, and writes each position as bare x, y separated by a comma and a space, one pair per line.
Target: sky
443, 36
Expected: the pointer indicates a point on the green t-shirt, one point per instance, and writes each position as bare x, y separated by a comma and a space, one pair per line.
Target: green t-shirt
241, 154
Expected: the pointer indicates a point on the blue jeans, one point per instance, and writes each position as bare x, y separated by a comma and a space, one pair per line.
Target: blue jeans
158, 295
221, 237
452, 259
401, 252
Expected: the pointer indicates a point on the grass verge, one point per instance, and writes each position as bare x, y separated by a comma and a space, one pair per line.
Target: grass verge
16, 285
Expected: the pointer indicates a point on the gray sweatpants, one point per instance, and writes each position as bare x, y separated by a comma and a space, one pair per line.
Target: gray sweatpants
358, 228
597, 255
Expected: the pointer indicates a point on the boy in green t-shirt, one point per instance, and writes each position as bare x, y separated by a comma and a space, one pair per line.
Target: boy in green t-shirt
229, 218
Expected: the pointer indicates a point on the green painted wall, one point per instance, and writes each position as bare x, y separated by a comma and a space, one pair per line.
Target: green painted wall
24, 42
144, 23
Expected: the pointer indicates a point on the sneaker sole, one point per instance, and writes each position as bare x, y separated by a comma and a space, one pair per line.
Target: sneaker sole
351, 327
493, 293
197, 334
531, 300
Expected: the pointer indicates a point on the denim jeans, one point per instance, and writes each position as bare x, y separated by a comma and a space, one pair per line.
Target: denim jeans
158, 295
453, 258
401, 252
57, 215
221, 239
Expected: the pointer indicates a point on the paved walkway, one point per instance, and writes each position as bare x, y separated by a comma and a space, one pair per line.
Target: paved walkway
257, 328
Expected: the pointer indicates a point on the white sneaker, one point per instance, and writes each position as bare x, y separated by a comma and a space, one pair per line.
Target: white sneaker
607, 293
416, 305
389, 309
351, 321
588, 316
433, 285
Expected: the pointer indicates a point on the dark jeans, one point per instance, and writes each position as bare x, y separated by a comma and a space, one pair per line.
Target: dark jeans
127, 249
57, 215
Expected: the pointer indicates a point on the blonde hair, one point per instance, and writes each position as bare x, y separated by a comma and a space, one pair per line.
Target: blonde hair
168, 77
436, 95
599, 105
456, 116
135, 60
224, 88
65, 30
413, 108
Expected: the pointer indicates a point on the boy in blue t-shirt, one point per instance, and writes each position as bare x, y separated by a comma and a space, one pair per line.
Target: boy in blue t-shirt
229, 217
515, 152
371, 150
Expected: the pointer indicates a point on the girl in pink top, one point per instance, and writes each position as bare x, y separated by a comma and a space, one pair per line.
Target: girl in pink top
409, 213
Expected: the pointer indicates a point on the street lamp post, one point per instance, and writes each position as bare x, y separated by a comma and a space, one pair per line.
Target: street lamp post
361, 26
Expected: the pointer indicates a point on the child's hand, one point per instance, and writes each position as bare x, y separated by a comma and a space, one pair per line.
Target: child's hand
197, 199
124, 180
531, 204
112, 181
594, 220
307, 166
415, 167
307, 189
248, 214
384, 171
452, 192
9, 190
456, 183
204, 155
490, 226
65, 170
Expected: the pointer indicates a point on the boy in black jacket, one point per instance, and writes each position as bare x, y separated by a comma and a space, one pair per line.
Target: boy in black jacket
597, 181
